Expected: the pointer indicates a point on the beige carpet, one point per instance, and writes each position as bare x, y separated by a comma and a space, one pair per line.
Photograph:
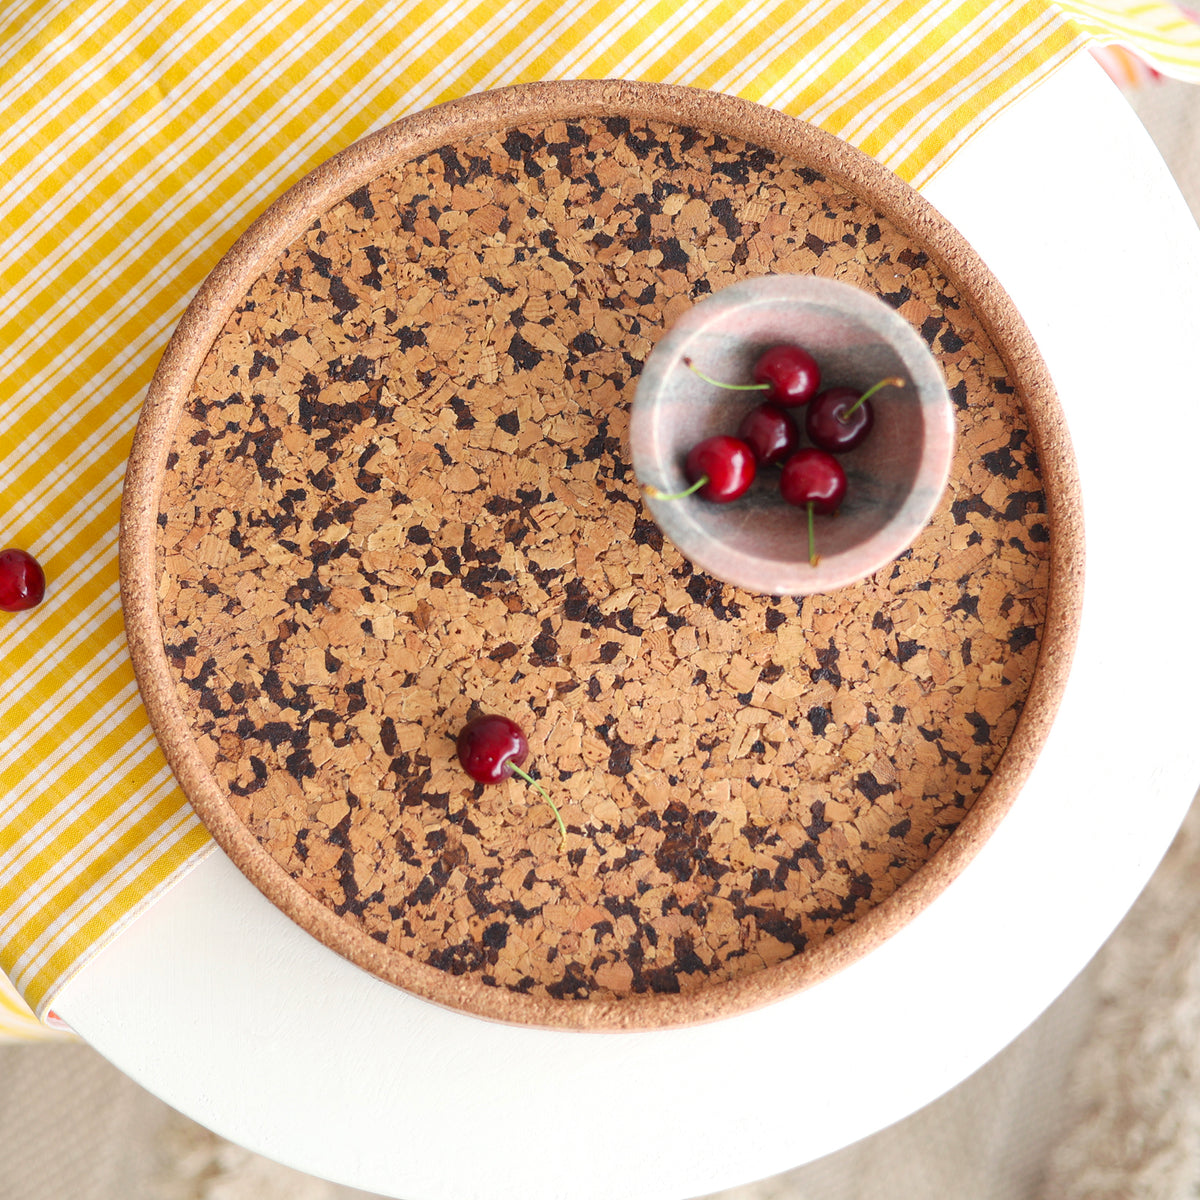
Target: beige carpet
1099, 1100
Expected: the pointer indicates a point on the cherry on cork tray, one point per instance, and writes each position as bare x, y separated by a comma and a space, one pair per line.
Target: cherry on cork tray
382, 484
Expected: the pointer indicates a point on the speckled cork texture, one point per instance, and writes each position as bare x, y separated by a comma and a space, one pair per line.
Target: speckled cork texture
396, 493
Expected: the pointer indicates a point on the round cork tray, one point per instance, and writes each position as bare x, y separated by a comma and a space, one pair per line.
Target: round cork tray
381, 484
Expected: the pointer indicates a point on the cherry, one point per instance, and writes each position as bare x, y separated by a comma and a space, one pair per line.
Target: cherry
829, 423
491, 748
770, 433
840, 419
788, 374
22, 582
814, 480
720, 469
813, 477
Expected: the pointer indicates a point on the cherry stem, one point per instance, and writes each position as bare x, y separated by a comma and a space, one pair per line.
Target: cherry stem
655, 494
813, 556
895, 381
733, 387
529, 779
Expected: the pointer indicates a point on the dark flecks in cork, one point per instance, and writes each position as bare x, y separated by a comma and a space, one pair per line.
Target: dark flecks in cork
399, 496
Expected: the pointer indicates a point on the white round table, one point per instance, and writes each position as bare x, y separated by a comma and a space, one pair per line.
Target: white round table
214, 1001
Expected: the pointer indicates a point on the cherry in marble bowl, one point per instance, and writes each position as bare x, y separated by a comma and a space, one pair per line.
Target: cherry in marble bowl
895, 479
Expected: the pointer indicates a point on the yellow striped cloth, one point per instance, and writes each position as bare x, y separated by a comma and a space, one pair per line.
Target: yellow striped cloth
139, 136
1164, 36
17, 1022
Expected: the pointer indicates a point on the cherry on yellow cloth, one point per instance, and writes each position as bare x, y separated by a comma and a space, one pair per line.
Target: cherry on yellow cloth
140, 136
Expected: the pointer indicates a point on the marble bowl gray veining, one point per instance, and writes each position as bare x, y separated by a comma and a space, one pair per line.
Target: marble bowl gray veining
895, 479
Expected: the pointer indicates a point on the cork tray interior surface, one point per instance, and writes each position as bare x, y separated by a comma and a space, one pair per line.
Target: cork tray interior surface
382, 484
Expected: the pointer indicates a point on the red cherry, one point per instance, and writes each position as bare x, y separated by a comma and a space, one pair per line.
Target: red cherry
813, 480
789, 376
22, 582
813, 477
720, 469
491, 748
790, 373
829, 427
727, 462
770, 433
840, 419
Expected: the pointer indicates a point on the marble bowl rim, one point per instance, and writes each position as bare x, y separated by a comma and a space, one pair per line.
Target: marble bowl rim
684, 523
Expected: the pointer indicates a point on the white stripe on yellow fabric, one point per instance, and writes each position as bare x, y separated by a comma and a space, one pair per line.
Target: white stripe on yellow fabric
153, 132
21, 23
32, 493
20, 904
86, 906
64, 126
53, 51
902, 142
961, 125
144, 806
785, 37
84, 923
36, 391
1158, 32
673, 31
139, 847
152, 175
73, 917
43, 496
146, 181
92, 674
42, 658
17, 1022
88, 926
901, 97
524, 52
28, 122
35, 682
440, 74
97, 636
26, 641
84, 585
43, 812
903, 40
691, 64
70, 523
483, 39
103, 495
149, 125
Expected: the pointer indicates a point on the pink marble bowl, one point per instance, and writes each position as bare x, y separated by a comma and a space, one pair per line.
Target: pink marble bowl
895, 479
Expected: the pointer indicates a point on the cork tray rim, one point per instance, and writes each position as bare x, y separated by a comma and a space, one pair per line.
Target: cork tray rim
286, 219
